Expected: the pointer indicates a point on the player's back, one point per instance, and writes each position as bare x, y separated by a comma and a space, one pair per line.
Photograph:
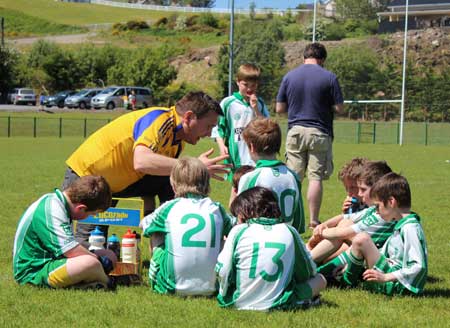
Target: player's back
195, 227
265, 256
276, 176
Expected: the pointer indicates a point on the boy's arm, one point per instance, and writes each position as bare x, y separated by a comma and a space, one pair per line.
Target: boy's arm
331, 223
222, 147
339, 233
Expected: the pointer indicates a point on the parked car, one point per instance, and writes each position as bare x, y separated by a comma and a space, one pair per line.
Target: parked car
58, 99
82, 99
21, 95
112, 97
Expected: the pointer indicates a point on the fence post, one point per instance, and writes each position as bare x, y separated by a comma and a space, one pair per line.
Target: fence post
374, 132
34, 126
60, 127
358, 133
9, 126
85, 128
426, 133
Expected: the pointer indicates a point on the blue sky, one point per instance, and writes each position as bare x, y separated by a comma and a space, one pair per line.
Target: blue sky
278, 4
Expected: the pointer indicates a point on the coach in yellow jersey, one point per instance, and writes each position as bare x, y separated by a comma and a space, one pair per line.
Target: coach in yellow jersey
136, 152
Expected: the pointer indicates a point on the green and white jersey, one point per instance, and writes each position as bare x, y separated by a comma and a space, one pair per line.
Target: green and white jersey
373, 224
194, 228
406, 251
285, 184
357, 216
261, 264
44, 233
237, 115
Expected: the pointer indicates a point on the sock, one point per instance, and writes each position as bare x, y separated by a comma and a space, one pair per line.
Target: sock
354, 271
328, 268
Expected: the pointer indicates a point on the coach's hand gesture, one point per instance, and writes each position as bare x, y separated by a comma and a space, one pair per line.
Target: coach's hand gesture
213, 165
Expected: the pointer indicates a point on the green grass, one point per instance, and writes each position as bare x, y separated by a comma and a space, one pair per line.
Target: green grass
78, 13
33, 166
18, 24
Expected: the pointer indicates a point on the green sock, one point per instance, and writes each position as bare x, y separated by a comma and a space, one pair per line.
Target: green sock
355, 269
328, 268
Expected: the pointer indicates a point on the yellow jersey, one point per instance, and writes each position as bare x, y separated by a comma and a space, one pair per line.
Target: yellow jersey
109, 151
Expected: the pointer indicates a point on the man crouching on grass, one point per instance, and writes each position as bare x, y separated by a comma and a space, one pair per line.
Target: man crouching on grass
45, 250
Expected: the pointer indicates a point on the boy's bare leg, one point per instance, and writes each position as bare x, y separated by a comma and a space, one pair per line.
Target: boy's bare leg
324, 249
363, 247
86, 268
344, 247
317, 284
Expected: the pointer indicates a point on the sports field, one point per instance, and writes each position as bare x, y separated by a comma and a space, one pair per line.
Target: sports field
33, 166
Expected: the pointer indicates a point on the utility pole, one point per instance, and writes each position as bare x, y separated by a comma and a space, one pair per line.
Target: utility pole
231, 54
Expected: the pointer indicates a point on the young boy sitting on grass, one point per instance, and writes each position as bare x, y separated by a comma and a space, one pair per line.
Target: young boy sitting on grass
45, 251
400, 266
263, 137
332, 237
264, 264
348, 175
186, 234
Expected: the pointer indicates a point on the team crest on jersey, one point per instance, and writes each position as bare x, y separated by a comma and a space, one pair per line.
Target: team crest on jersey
237, 117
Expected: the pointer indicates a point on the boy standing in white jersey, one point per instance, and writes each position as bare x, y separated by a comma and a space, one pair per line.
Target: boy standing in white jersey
264, 264
239, 109
187, 233
263, 137
400, 266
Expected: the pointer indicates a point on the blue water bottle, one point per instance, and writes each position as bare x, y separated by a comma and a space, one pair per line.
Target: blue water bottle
354, 207
114, 245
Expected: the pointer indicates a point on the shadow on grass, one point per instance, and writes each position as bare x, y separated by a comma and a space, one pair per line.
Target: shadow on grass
436, 292
434, 280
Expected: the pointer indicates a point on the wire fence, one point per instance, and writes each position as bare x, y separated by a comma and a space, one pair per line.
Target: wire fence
351, 132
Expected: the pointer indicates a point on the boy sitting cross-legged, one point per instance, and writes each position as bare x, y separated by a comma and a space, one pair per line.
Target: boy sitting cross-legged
263, 137
264, 264
186, 234
400, 266
46, 253
348, 175
366, 220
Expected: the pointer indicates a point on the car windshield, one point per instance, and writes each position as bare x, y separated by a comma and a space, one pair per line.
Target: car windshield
26, 91
107, 91
82, 92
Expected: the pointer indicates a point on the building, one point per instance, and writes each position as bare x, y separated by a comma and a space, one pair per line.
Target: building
422, 14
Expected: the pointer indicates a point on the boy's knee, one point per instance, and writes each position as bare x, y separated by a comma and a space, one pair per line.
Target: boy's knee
360, 240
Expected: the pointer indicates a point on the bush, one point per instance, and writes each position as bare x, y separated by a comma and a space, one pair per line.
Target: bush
334, 32
293, 32
161, 22
181, 23
209, 19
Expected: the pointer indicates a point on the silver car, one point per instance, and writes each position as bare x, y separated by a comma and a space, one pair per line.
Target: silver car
112, 97
82, 99
21, 95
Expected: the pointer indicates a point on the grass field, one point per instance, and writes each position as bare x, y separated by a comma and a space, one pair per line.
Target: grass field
33, 166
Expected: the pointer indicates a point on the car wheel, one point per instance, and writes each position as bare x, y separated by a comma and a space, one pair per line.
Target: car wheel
110, 105
82, 105
60, 105
144, 105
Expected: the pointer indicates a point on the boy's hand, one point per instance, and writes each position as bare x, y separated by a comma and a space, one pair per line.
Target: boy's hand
253, 100
374, 275
346, 204
317, 232
223, 149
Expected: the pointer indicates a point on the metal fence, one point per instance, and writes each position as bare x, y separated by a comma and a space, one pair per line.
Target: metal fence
351, 132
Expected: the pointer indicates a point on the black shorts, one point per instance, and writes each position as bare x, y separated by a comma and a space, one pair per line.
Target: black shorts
149, 185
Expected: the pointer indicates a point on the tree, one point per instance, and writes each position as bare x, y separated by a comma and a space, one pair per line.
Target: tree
260, 44
356, 9
8, 61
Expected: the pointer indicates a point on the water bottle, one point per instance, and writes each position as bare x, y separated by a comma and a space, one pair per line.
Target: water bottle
129, 247
138, 250
114, 245
96, 239
354, 207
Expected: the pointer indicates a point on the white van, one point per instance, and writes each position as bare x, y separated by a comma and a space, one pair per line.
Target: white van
112, 97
